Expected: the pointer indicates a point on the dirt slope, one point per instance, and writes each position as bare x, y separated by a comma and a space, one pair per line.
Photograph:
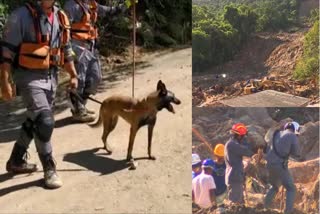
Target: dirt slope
272, 55
97, 183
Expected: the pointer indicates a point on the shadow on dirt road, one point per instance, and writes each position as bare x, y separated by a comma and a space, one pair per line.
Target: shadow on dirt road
96, 162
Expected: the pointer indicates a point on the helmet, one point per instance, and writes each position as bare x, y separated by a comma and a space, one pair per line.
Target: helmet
208, 163
239, 128
294, 126
195, 159
219, 150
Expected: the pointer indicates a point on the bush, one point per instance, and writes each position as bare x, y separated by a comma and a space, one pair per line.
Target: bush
216, 39
228, 24
275, 15
308, 66
164, 22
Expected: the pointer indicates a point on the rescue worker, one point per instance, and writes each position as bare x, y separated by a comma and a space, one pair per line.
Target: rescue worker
196, 165
203, 186
219, 171
234, 151
36, 40
83, 15
284, 144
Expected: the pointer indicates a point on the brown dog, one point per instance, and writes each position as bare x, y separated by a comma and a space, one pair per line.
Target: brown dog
136, 112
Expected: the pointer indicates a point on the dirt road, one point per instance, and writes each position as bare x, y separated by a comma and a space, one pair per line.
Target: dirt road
97, 183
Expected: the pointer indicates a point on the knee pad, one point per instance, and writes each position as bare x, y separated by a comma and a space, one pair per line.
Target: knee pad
44, 125
27, 128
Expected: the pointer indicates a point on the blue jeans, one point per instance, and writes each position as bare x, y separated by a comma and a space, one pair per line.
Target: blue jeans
279, 175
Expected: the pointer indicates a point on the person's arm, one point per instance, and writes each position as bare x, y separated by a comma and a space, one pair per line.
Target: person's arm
241, 150
69, 62
107, 10
69, 66
212, 196
70, 10
193, 186
295, 149
12, 38
211, 186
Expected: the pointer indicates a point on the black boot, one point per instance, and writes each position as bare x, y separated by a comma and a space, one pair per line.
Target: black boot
17, 162
51, 177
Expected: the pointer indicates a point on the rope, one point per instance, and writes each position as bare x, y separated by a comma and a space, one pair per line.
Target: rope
134, 45
197, 133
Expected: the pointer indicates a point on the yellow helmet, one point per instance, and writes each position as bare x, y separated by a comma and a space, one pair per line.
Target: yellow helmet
219, 150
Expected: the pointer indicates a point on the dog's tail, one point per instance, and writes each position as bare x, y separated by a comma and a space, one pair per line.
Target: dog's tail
99, 121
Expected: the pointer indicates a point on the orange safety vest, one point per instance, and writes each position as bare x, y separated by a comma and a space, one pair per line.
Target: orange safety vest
86, 29
40, 55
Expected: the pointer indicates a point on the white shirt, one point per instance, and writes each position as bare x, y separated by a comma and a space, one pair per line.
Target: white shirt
200, 187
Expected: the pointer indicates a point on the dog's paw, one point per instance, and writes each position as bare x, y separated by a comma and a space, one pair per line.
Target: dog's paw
109, 152
133, 166
130, 159
152, 157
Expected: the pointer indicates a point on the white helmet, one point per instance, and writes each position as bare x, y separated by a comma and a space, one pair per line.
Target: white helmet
293, 125
195, 159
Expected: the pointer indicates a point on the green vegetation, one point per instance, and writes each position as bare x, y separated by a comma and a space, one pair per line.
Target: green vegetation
221, 27
308, 65
163, 23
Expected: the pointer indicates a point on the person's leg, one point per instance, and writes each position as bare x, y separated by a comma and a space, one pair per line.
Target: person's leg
78, 108
275, 181
288, 184
94, 75
17, 162
43, 120
93, 79
81, 67
220, 198
236, 192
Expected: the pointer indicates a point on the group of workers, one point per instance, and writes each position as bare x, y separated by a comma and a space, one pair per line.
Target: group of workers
38, 38
221, 179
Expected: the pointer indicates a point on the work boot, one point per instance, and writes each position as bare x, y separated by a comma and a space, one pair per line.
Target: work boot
51, 178
90, 111
83, 117
17, 162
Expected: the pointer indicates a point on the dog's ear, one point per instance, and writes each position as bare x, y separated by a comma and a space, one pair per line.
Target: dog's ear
162, 88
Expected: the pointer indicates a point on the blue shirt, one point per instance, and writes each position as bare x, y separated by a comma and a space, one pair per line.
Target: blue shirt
234, 151
218, 175
286, 143
195, 174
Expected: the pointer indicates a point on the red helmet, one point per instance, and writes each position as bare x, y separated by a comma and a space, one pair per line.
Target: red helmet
239, 129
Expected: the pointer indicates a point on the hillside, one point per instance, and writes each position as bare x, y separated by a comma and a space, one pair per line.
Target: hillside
222, 73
